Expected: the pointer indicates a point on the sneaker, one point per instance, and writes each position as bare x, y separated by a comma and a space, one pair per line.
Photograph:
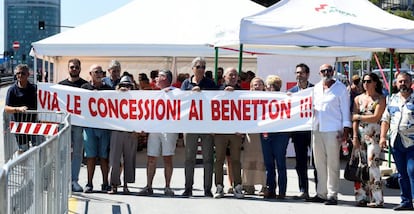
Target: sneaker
88, 188
402, 207
331, 201
168, 192
208, 193
76, 187
315, 199
187, 193
147, 191
105, 188
219, 192
238, 191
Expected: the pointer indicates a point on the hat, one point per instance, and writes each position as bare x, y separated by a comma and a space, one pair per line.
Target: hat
114, 64
166, 73
125, 80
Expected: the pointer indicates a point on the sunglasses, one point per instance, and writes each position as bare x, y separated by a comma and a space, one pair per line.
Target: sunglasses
74, 67
98, 72
366, 81
21, 73
326, 70
200, 66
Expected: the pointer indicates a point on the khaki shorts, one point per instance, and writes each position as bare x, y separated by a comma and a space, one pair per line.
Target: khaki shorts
161, 144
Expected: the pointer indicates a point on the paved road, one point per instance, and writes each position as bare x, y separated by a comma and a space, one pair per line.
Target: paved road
104, 203
101, 203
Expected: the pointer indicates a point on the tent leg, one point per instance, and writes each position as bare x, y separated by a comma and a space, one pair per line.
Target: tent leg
241, 58
215, 64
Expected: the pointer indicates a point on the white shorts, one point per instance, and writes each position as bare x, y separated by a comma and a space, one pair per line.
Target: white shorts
161, 144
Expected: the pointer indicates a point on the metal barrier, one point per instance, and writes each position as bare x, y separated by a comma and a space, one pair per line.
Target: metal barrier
38, 180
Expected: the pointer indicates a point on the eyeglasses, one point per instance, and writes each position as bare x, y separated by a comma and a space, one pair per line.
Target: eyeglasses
21, 73
326, 70
366, 81
74, 67
200, 66
98, 72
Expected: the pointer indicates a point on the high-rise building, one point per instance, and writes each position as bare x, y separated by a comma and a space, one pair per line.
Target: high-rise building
27, 21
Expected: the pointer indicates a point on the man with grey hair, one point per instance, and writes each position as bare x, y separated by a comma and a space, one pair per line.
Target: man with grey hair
114, 77
22, 96
161, 144
331, 127
97, 140
198, 82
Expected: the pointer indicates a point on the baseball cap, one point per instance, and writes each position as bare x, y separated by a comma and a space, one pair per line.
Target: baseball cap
126, 80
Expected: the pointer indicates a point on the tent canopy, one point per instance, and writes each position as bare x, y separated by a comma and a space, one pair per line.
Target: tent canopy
152, 28
327, 25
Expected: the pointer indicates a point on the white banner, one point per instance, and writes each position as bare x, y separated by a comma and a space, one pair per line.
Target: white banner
179, 111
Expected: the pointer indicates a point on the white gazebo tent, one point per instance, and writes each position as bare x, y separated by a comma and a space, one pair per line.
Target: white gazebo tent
177, 28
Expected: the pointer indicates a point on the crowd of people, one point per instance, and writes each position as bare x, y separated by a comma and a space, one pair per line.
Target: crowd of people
359, 112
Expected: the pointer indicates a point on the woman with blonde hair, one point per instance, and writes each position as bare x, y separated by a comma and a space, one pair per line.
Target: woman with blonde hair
274, 147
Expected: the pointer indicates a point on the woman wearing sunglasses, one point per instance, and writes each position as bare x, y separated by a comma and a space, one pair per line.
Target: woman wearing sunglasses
368, 109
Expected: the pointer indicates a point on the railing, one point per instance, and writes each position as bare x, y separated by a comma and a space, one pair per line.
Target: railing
6, 79
38, 180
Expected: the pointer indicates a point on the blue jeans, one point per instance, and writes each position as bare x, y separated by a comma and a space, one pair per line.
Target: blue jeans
404, 161
77, 151
274, 149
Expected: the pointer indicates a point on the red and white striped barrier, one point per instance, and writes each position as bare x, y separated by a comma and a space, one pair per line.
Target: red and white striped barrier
48, 129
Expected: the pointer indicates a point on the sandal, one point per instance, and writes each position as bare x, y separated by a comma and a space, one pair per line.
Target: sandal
114, 190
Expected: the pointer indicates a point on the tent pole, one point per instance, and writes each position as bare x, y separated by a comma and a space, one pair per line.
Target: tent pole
240, 58
390, 84
35, 71
215, 64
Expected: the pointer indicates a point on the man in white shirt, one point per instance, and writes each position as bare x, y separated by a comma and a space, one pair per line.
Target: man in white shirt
331, 126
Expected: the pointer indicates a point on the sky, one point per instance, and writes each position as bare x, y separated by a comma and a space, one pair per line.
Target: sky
74, 12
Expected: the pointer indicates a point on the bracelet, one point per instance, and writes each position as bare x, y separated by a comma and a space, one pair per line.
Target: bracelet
15, 110
359, 117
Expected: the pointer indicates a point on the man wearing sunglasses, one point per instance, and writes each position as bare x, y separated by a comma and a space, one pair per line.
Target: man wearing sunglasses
332, 123
20, 97
74, 80
97, 140
197, 82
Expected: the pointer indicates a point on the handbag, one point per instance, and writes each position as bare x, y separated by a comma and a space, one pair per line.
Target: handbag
356, 169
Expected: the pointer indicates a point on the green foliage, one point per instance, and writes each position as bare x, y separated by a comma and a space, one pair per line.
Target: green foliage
384, 58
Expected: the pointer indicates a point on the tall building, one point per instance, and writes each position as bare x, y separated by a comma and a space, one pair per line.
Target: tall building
22, 23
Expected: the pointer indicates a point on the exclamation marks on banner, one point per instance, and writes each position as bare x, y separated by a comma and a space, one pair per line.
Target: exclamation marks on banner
306, 107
